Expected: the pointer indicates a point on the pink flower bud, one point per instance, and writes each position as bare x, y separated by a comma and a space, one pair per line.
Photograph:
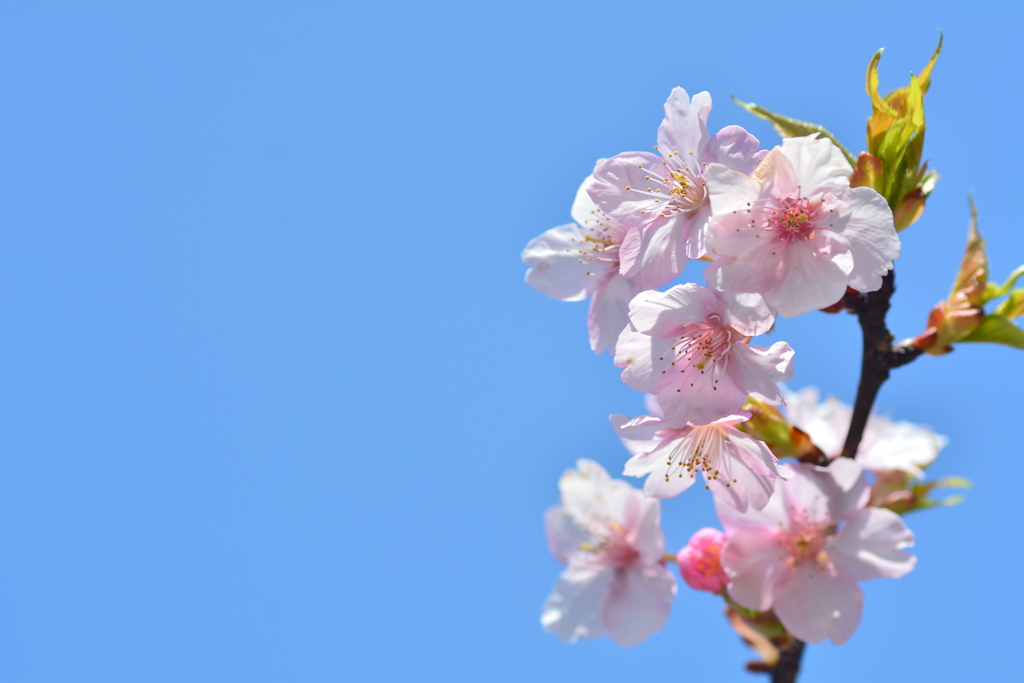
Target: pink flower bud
699, 562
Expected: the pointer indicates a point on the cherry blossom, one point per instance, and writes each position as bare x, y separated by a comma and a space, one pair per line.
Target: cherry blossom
803, 554
736, 467
662, 199
608, 536
689, 346
795, 231
572, 262
700, 561
886, 444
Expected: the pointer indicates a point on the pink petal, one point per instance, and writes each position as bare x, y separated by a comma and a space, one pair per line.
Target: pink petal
624, 187
694, 396
752, 558
814, 606
609, 310
733, 147
663, 314
818, 165
638, 603
656, 253
556, 269
772, 516
684, 128
648, 538
846, 486
660, 483
573, 610
871, 238
813, 272
757, 369
562, 533
729, 191
740, 487
635, 354
749, 314
641, 428
870, 545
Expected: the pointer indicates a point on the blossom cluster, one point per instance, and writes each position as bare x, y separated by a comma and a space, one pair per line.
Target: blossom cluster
781, 232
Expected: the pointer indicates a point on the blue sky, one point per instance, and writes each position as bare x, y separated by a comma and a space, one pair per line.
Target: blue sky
275, 403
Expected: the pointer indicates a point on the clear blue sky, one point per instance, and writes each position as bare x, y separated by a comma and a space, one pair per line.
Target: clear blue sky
275, 404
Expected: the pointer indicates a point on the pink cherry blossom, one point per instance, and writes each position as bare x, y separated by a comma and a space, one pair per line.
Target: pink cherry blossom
803, 554
795, 231
608, 536
662, 199
886, 444
573, 262
700, 561
688, 346
736, 467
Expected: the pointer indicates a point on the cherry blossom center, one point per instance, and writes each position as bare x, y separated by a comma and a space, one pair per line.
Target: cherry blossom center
688, 191
703, 348
793, 219
599, 249
702, 451
805, 542
609, 547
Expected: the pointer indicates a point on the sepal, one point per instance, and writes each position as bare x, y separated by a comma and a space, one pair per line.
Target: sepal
894, 491
783, 439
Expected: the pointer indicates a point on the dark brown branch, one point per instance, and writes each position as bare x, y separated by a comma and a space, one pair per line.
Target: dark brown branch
879, 357
789, 663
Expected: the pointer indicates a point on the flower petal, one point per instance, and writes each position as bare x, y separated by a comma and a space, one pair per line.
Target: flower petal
648, 539
871, 238
609, 310
656, 253
749, 314
818, 165
573, 610
641, 428
757, 369
814, 606
663, 314
560, 269
624, 188
869, 546
635, 353
684, 129
739, 486
752, 557
563, 534
735, 148
661, 483
638, 603
772, 516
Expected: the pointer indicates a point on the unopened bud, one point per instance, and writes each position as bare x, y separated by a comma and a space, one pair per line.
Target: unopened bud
700, 561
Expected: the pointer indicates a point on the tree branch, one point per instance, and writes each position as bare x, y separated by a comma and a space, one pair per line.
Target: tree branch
878, 358
789, 663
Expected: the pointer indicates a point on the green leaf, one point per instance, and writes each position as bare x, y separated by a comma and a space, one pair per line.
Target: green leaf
999, 330
793, 128
923, 490
1006, 286
1013, 306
